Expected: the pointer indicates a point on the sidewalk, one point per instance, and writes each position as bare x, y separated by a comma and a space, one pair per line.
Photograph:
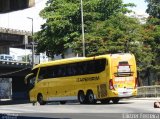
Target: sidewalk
148, 98
12, 102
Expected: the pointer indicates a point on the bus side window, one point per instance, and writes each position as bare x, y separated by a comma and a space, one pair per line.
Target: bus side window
80, 68
84, 67
100, 65
75, 69
59, 71
54, 72
42, 74
69, 70
64, 70
91, 67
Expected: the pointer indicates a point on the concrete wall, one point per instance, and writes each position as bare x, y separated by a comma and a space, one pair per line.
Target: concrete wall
19, 89
5, 88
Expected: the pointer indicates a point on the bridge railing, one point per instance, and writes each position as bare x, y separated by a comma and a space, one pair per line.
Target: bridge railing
14, 63
149, 91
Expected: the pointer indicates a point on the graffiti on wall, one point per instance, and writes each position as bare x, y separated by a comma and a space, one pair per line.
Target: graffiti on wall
5, 88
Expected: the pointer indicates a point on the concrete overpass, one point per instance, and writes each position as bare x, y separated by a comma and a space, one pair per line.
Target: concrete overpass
12, 75
13, 38
13, 72
12, 69
13, 5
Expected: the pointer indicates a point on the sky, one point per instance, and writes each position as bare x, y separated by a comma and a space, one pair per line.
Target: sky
140, 8
18, 19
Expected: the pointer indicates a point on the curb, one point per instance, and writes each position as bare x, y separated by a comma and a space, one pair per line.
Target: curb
158, 98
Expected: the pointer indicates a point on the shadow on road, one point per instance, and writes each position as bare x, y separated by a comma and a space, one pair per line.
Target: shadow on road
61, 116
13, 102
77, 103
23, 116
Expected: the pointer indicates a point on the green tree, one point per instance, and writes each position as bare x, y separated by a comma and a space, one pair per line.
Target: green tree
118, 34
153, 8
153, 30
153, 23
63, 21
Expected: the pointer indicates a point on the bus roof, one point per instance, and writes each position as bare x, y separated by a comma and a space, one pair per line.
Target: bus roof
60, 61
74, 59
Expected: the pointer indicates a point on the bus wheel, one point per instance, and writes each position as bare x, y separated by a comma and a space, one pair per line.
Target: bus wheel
115, 101
106, 101
81, 97
62, 102
90, 97
40, 99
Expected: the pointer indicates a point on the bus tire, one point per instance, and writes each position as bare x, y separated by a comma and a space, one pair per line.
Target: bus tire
40, 99
106, 101
115, 101
90, 97
81, 97
62, 102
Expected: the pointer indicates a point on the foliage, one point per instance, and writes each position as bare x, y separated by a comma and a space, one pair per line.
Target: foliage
153, 24
153, 29
107, 30
63, 22
119, 34
153, 8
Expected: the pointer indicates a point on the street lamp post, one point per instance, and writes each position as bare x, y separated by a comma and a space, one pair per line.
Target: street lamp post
32, 42
83, 41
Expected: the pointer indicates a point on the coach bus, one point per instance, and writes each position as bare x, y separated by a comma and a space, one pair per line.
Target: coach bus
101, 78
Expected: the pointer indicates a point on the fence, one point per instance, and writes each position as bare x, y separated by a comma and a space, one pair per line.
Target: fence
149, 91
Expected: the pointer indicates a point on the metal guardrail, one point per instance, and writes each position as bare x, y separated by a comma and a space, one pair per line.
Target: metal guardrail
149, 91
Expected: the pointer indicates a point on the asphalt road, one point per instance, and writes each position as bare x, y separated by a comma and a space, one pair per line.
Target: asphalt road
126, 109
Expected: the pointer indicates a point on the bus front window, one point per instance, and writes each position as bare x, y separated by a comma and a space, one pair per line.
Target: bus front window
31, 78
32, 81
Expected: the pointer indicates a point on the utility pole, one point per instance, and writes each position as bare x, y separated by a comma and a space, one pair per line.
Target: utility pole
32, 42
83, 40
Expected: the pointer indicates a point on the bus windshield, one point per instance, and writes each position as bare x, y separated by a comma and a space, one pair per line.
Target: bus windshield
30, 78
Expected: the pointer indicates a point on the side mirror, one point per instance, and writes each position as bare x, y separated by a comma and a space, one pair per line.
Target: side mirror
27, 77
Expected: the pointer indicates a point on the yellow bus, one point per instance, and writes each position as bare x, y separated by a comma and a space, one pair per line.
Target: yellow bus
102, 78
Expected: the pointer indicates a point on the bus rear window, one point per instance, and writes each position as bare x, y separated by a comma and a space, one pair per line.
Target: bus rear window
123, 69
